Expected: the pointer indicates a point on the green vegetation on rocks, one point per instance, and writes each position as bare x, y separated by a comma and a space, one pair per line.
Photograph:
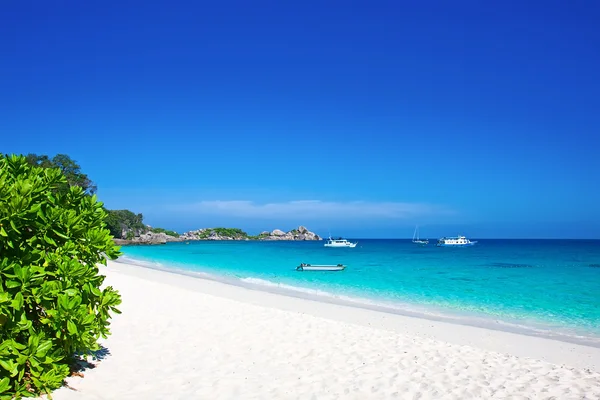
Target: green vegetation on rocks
301, 233
259, 236
125, 221
165, 231
224, 232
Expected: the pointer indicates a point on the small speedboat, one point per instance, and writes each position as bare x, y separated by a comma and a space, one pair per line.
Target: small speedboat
311, 267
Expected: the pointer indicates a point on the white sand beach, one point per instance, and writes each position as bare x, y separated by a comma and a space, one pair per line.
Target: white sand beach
185, 338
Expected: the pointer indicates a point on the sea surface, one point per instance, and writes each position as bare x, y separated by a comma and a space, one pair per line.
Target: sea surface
548, 288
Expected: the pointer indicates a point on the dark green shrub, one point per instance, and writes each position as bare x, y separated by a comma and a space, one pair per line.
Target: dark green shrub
51, 304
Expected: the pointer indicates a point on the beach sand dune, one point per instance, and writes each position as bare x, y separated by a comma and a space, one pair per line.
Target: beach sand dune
174, 342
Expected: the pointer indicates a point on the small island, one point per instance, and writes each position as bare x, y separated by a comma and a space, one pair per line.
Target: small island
151, 235
300, 233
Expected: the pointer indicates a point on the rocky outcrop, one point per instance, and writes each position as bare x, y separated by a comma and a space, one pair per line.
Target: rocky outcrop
215, 234
149, 238
128, 232
301, 233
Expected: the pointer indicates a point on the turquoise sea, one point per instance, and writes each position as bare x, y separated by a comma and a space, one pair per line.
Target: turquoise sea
547, 288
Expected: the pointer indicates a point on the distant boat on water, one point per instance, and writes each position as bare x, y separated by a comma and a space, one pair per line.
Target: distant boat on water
416, 239
457, 241
339, 243
310, 267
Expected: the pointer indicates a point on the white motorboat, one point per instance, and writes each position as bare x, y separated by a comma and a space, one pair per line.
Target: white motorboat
310, 267
339, 243
457, 241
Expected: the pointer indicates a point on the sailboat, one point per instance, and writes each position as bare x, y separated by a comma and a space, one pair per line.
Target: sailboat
416, 239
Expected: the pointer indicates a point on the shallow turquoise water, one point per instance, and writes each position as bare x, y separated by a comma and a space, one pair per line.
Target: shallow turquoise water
547, 287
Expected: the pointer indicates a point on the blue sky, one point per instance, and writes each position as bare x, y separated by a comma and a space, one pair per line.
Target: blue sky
359, 118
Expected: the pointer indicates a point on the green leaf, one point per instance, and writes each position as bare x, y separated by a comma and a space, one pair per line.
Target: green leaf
43, 348
23, 273
60, 234
49, 240
10, 366
19, 346
23, 323
21, 372
34, 363
33, 342
4, 384
63, 301
12, 284
12, 224
71, 292
3, 232
95, 291
3, 297
89, 319
17, 303
72, 328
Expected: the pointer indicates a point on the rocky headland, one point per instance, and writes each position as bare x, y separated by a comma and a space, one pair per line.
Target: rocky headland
148, 238
298, 234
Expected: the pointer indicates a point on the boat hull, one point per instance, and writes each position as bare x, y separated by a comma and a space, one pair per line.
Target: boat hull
308, 267
351, 245
456, 245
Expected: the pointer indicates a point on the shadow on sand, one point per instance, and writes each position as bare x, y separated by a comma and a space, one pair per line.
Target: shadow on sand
81, 363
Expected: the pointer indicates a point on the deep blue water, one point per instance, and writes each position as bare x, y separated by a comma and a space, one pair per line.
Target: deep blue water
545, 287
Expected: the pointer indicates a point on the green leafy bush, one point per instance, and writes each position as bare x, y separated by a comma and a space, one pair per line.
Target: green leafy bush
51, 304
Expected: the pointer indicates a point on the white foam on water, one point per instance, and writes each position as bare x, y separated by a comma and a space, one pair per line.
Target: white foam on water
532, 328
350, 299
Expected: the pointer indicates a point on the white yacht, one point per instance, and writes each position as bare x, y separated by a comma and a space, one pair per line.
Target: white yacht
339, 243
457, 241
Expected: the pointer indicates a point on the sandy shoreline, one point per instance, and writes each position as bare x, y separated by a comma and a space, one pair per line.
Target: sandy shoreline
421, 313
182, 337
